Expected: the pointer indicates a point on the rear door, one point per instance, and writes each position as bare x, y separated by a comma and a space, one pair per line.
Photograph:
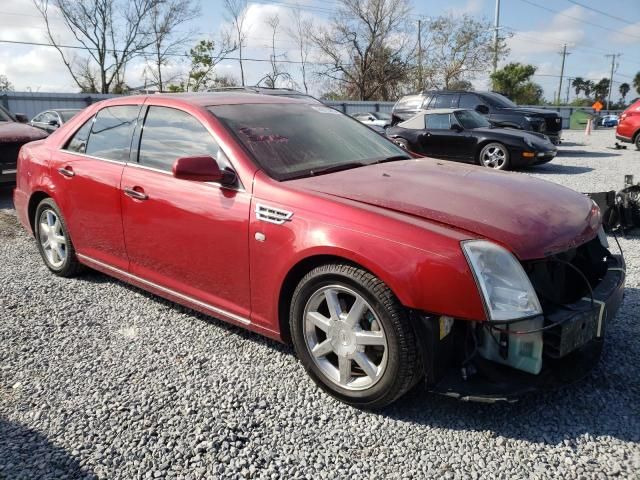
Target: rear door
188, 237
87, 173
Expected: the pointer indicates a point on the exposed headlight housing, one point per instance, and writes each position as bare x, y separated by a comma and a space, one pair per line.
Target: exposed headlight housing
505, 287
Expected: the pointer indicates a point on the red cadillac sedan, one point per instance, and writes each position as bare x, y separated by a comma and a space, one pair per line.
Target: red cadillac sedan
295, 221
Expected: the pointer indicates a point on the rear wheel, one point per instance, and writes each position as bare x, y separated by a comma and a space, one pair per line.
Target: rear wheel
353, 336
637, 141
53, 240
494, 155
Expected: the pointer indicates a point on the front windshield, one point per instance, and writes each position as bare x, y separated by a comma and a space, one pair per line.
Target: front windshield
497, 100
470, 119
4, 115
291, 140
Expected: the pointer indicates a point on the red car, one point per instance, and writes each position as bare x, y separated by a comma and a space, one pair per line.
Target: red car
295, 221
628, 129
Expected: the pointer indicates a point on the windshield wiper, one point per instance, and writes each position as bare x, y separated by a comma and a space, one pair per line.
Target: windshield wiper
395, 158
336, 168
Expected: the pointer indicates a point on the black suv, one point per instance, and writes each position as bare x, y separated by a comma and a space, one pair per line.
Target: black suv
499, 110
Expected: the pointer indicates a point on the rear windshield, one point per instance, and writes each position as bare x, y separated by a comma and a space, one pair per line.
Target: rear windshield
295, 140
4, 115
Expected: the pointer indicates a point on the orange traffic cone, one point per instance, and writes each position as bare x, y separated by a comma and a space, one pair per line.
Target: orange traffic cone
587, 131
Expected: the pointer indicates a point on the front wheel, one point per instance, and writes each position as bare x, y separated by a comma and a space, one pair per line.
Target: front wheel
494, 155
353, 336
637, 142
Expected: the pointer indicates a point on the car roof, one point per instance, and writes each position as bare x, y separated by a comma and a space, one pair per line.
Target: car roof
207, 99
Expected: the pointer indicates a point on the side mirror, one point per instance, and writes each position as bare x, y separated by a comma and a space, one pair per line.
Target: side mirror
54, 123
456, 127
21, 117
483, 109
202, 169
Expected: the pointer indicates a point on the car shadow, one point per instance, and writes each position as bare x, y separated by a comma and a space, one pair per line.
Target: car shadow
27, 454
585, 154
555, 168
6, 197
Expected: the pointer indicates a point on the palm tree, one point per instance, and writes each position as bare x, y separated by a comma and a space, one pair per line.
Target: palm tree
578, 85
636, 82
588, 87
624, 89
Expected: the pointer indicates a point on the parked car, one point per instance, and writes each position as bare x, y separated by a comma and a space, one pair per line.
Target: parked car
628, 129
51, 120
466, 136
13, 134
379, 119
498, 109
295, 221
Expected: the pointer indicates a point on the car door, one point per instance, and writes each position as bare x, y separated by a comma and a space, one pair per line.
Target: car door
188, 237
87, 173
436, 140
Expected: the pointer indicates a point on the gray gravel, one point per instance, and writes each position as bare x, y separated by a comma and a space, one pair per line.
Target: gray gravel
101, 380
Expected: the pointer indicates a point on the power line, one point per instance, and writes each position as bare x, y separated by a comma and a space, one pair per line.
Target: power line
587, 22
600, 12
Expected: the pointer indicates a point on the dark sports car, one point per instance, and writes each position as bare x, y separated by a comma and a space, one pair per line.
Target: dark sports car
466, 136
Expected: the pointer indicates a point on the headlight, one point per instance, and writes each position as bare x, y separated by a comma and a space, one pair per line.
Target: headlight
507, 291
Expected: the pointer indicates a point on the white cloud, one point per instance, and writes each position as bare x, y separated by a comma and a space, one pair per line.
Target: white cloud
469, 8
627, 35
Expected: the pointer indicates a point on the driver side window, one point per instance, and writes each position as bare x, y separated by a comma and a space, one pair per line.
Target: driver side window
169, 134
439, 121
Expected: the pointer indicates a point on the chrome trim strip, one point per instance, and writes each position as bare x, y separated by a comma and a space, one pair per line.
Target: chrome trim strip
7, 172
71, 152
216, 310
152, 169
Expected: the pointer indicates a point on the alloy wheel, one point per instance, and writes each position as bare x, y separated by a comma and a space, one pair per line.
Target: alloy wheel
494, 156
345, 337
52, 238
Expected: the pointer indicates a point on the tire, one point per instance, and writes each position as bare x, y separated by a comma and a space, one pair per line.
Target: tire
494, 155
370, 375
402, 143
637, 141
53, 240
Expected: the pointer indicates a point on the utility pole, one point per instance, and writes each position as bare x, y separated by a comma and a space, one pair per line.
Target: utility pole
564, 54
496, 26
569, 87
420, 84
613, 62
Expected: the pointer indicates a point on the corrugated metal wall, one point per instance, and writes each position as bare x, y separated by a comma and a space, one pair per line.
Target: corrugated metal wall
32, 103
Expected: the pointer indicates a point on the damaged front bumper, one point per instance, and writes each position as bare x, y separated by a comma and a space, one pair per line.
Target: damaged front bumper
572, 348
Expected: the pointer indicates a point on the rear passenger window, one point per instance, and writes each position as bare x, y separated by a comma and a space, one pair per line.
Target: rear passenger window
445, 101
111, 134
438, 121
78, 142
169, 134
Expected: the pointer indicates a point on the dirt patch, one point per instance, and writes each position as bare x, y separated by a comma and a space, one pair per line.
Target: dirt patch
9, 225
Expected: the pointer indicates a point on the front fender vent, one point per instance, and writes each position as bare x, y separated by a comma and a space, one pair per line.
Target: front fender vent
272, 214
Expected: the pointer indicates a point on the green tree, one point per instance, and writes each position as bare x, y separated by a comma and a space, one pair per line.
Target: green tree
514, 81
578, 85
5, 84
601, 89
204, 58
636, 82
588, 87
624, 89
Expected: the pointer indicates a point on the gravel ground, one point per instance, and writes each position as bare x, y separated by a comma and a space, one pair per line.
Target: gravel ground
101, 380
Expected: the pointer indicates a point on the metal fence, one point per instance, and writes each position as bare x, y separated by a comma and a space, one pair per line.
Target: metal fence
32, 103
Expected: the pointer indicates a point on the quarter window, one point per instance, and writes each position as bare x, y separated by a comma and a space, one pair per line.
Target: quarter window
111, 134
169, 134
438, 121
78, 142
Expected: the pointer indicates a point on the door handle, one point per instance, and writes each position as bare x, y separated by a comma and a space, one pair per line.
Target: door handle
130, 192
66, 172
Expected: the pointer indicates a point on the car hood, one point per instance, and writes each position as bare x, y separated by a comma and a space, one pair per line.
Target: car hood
13, 132
531, 217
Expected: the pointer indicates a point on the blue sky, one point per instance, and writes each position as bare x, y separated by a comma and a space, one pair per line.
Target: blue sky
538, 36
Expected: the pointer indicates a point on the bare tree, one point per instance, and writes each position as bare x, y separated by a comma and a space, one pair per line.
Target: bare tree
459, 49
366, 48
237, 15
5, 84
299, 32
165, 18
277, 70
111, 31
